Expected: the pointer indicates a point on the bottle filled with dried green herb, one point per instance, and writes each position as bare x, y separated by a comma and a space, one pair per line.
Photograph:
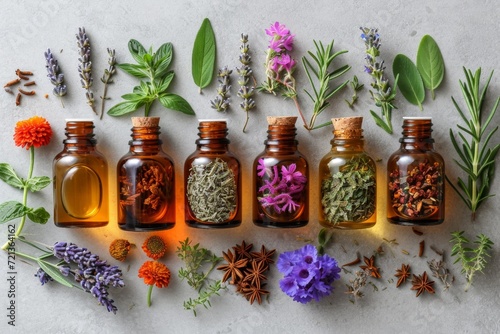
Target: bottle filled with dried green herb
212, 180
281, 175
416, 177
146, 191
348, 180
80, 179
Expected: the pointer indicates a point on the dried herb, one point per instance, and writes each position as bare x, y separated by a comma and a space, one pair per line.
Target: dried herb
324, 75
222, 102
356, 87
476, 158
106, 77
233, 268
203, 60
85, 66
353, 262
350, 193
119, 249
370, 267
211, 191
245, 72
402, 274
440, 271
421, 248
356, 285
473, 260
418, 192
417, 232
422, 284
55, 76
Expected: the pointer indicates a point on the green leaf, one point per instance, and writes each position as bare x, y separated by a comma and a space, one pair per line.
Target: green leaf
410, 82
136, 50
162, 59
39, 216
137, 71
37, 183
430, 63
163, 85
9, 176
125, 107
203, 61
54, 273
133, 97
12, 210
175, 102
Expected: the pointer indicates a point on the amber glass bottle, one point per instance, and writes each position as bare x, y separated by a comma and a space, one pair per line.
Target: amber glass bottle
348, 179
146, 192
212, 180
80, 179
281, 178
416, 176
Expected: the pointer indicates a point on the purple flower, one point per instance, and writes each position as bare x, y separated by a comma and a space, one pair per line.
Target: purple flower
307, 275
286, 61
291, 176
43, 276
261, 168
277, 29
287, 42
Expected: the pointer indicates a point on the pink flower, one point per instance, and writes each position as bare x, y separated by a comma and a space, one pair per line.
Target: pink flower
291, 176
277, 29
287, 42
287, 62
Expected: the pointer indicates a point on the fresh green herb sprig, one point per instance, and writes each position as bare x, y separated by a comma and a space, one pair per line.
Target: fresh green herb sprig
356, 87
152, 66
324, 75
196, 258
473, 260
476, 158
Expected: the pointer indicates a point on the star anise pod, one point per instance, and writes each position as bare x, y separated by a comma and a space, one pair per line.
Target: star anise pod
254, 293
256, 274
264, 256
243, 251
233, 267
370, 267
402, 274
421, 283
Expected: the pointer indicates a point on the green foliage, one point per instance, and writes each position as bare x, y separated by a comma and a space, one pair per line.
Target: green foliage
324, 237
410, 82
473, 260
324, 76
9, 176
477, 159
430, 63
11, 210
204, 297
152, 66
203, 60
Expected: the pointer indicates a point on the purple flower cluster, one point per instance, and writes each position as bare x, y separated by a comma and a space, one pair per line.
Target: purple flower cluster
308, 275
282, 191
43, 276
93, 275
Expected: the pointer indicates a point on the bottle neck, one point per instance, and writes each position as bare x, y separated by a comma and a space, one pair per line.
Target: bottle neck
145, 139
281, 139
417, 134
79, 136
212, 136
348, 144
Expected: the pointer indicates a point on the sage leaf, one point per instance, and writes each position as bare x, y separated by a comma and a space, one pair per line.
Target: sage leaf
11, 210
430, 63
137, 71
125, 107
54, 273
9, 176
37, 183
39, 216
410, 82
203, 60
175, 102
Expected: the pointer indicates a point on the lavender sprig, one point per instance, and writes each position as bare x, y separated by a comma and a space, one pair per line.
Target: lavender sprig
85, 66
221, 102
245, 72
106, 77
383, 95
55, 76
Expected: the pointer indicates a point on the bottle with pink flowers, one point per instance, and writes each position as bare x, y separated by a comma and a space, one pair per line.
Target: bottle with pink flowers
281, 178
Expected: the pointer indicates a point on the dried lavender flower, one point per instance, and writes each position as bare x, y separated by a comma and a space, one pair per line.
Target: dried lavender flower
440, 271
245, 72
106, 77
221, 102
85, 66
55, 75
356, 285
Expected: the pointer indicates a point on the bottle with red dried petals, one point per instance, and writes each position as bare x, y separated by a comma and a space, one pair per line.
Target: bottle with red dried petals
416, 176
281, 178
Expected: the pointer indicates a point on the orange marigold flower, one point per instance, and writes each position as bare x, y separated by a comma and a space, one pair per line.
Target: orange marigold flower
155, 273
154, 247
35, 131
119, 249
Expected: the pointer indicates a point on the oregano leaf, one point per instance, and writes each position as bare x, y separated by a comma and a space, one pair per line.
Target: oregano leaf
203, 59
410, 82
430, 63
37, 183
9, 176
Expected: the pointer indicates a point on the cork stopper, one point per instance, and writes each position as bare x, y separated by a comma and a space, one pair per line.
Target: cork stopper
347, 127
281, 120
145, 122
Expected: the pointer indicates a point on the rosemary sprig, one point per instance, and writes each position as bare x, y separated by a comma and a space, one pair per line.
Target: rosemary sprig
106, 77
477, 160
323, 92
356, 87
472, 259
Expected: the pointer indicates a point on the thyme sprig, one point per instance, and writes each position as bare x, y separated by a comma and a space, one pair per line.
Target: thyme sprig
473, 260
476, 158
356, 87
324, 75
204, 297
106, 77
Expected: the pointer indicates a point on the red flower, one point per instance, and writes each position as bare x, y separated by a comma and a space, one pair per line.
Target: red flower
35, 131
155, 273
